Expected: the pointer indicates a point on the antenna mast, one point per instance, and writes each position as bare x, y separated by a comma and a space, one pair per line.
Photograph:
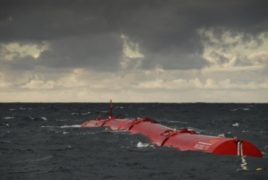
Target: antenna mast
111, 109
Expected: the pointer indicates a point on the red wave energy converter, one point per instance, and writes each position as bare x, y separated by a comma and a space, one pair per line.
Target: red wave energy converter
182, 139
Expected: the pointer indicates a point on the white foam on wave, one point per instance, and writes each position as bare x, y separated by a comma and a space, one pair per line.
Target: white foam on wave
235, 124
85, 113
65, 132
71, 126
12, 109
85, 133
74, 113
30, 117
195, 129
8, 117
119, 107
63, 126
243, 109
143, 145
181, 122
24, 108
245, 131
44, 118
45, 158
49, 126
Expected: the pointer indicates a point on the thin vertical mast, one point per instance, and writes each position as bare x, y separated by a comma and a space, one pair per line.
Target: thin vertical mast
111, 109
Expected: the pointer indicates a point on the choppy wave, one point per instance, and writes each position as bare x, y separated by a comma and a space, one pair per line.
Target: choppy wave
75, 113
48, 142
242, 109
65, 132
221, 135
235, 124
143, 145
8, 117
81, 113
25, 109
63, 126
45, 158
180, 122
44, 118
71, 126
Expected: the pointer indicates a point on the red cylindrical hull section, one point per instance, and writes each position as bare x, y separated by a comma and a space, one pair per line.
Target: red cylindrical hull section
183, 140
155, 132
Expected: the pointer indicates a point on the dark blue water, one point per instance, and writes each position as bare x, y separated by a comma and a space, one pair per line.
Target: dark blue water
44, 141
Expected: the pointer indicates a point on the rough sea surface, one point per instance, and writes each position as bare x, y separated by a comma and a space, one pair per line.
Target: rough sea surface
45, 141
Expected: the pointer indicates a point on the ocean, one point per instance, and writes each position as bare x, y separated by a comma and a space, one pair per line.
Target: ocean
45, 141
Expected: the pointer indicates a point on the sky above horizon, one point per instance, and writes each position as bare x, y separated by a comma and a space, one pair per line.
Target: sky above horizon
133, 51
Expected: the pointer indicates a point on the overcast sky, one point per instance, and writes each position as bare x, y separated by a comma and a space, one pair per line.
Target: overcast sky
134, 50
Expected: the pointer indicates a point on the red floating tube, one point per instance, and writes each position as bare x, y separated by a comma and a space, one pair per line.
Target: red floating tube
183, 139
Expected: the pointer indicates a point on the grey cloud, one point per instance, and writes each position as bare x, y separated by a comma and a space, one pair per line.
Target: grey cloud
174, 59
170, 20
96, 52
85, 33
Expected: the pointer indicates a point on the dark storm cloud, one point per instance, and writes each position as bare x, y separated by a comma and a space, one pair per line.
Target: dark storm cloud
43, 20
87, 32
39, 19
99, 52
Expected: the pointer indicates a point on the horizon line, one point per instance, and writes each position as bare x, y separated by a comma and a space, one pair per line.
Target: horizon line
131, 102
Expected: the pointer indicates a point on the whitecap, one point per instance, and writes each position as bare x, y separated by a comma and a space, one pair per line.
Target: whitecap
45, 158
74, 113
119, 107
243, 109
12, 109
71, 126
44, 118
235, 124
30, 117
143, 145
49, 126
65, 132
221, 135
194, 129
86, 133
8, 117
85, 113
